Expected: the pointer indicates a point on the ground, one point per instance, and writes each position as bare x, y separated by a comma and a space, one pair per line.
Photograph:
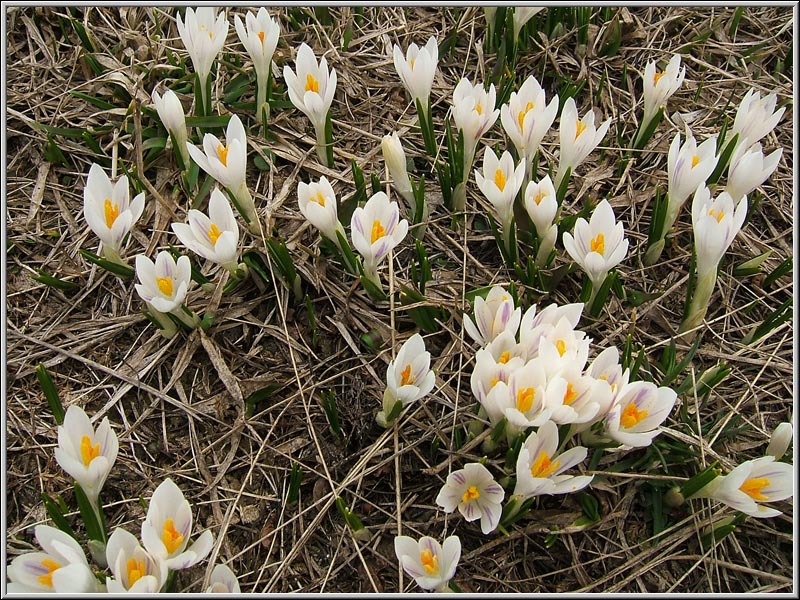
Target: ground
178, 406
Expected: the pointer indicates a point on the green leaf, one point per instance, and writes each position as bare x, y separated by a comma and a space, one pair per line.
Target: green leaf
93, 100
208, 122
50, 393
328, 402
111, 267
54, 282
94, 528
294, 484
54, 510
259, 396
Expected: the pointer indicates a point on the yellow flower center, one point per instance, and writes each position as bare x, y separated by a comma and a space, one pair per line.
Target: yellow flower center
411, 63
136, 570
580, 127
500, 179
542, 466
312, 85
538, 198
261, 37
561, 346
430, 561
504, 357
112, 212
472, 493
695, 160
171, 537
598, 244
522, 113
631, 415
50, 565
165, 285
493, 382
222, 152
479, 108
717, 214
214, 233
570, 395
319, 199
658, 75
377, 231
88, 451
753, 486
525, 399
406, 378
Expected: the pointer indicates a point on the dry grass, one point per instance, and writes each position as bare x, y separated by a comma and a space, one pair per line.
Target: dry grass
177, 405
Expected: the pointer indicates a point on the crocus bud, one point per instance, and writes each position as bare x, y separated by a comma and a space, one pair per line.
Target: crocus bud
780, 441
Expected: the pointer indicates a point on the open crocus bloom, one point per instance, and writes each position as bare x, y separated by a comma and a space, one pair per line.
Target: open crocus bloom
755, 117
168, 526
432, 565
530, 396
214, 236
311, 89
376, 228
61, 568
494, 363
133, 568
85, 453
540, 470
493, 316
223, 581
751, 483
417, 69
408, 376
582, 397
638, 411
660, 85
203, 35
475, 493
318, 204
527, 117
578, 137
500, 182
715, 224
598, 245
227, 162
108, 210
164, 283
688, 166
537, 325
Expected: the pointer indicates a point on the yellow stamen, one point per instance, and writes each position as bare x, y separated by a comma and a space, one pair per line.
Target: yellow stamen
112, 212
406, 378
695, 160
165, 285
222, 152
472, 493
214, 233
504, 357
312, 85
525, 399
631, 415
211, 35
493, 382
430, 561
658, 75
136, 570
411, 63
479, 109
561, 346
261, 37
598, 244
500, 179
89, 451
752, 487
522, 113
570, 395
319, 199
171, 537
377, 231
717, 214
50, 565
580, 127
542, 467
538, 198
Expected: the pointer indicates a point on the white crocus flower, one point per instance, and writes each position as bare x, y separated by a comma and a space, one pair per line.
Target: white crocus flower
582, 399
638, 412
318, 204
598, 245
134, 570
62, 568
541, 204
493, 316
408, 378
688, 166
523, 14
749, 168
227, 164
495, 363
606, 370
85, 453
376, 229
109, 212
531, 395
660, 85
417, 69
476, 495
203, 35
577, 138
751, 483
214, 236
536, 326
395, 158
561, 344
780, 441
500, 183
163, 284
170, 111
311, 90
223, 581
167, 527
260, 39
755, 118
540, 470
474, 114
432, 565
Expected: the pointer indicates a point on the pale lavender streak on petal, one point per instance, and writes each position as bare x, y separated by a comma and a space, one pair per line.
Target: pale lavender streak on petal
381, 248
505, 313
469, 511
356, 223
458, 477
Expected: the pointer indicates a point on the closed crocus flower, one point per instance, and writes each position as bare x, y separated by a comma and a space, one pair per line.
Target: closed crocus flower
715, 223
417, 69
474, 114
133, 569
163, 284
376, 229
214, 236
395, 158
492, 316
476, 495
688, 166
203, 35
541, 204
85, 453
751, 483
108, 210
638, 412
318, 204
500, 182
432, 565
749, 169
223, 581
597, 245
660, 85
168, 526
755, 117
62, 568
780, 441
408, 377
527, 117
260, 39
523, 14
578, 137
170, 111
